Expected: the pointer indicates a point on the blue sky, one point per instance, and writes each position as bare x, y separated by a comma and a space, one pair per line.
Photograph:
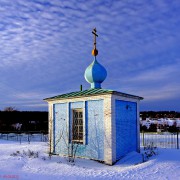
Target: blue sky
45, 47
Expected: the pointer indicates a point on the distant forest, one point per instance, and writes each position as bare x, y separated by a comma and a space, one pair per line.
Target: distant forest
159, 114
28, 121
14, 120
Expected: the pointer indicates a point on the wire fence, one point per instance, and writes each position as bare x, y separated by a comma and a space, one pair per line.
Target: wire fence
24, 136
163, 140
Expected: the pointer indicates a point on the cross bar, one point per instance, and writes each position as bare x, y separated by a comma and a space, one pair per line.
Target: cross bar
94, 32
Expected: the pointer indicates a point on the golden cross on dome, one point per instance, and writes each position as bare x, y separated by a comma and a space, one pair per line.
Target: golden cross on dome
95, 35
94, 51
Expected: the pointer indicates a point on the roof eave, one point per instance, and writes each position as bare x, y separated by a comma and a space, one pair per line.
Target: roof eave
127, 95
88, 95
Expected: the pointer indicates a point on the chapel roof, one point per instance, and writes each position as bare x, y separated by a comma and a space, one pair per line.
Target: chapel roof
91, 92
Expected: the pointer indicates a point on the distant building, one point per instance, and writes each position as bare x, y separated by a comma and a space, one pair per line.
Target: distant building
161, 123
102, 123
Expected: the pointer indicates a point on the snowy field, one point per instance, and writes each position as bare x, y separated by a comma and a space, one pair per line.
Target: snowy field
15, 164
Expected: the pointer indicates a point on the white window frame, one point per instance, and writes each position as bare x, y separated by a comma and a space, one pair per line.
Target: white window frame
80, 141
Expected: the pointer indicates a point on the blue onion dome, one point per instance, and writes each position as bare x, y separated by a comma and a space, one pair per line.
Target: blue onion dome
95, 74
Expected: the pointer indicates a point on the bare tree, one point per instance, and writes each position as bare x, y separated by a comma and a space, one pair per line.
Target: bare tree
10, 109
70, 145
63, 137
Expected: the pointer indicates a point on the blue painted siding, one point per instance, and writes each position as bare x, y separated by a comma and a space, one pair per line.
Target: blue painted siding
126, 127
60, 127
94, 125
78, 104
95, 117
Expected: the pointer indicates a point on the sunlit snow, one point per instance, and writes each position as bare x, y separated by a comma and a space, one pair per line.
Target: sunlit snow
165, 165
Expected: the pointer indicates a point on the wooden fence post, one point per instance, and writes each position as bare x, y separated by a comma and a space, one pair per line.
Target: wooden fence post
143, 138
177, 138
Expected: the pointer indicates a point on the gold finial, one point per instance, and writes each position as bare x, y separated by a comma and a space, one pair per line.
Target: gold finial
94, 51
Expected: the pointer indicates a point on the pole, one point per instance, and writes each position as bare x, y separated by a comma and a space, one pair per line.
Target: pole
177, 138
143, 137
81, 87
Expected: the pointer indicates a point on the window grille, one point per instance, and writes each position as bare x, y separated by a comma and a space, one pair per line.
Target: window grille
77, 128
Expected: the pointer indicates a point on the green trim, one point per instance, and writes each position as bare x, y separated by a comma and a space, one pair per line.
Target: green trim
90, 92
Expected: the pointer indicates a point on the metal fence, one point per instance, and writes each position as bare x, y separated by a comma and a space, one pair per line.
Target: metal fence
24, 137
163, 140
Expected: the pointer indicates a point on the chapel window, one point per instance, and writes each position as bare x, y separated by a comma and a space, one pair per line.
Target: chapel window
77, 126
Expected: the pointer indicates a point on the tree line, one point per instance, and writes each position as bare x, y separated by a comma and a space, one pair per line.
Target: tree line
159, 114
29, 120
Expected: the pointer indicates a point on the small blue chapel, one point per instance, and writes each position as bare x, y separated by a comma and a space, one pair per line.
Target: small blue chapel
102, 123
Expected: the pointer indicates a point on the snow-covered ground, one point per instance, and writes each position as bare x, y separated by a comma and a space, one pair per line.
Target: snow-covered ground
165, 165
